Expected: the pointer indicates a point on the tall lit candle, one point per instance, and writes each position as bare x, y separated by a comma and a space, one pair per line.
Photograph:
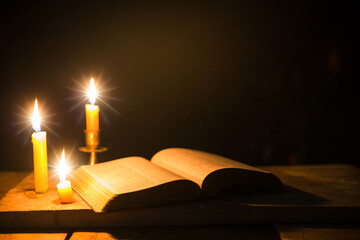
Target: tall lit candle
64, 186
92, 110
39, 153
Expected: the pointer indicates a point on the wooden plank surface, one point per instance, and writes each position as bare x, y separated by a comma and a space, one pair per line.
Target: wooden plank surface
32, 236
268, 232
325, 194
318, 232
185, 232
8, 180
331, 185
22, 197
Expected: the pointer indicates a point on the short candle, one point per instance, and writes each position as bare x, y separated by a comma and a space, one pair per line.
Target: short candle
64, 186
65, 192
39, 153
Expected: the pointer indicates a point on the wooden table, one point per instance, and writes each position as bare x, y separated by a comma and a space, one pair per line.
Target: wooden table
323, 202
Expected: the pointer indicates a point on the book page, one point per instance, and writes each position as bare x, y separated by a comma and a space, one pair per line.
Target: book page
130, 174
195, 165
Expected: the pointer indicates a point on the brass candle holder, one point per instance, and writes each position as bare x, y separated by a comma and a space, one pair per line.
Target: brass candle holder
92, 140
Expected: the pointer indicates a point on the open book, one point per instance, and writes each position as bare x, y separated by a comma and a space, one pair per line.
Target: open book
172, 175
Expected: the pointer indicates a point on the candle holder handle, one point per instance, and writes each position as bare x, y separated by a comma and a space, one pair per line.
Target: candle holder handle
93, 158
92, 145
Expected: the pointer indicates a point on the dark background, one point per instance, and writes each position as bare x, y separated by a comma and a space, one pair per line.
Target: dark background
264, 83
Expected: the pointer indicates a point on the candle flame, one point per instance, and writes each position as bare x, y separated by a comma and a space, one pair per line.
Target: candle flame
92, 93
62, 168
36, 118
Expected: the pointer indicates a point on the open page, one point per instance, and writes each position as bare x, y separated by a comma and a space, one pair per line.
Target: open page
131, 182
211, 170
130, 174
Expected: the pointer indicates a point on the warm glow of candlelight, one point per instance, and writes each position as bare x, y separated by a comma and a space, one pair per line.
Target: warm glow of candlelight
36, 118
92, 93
92, 110
62, 168
64, 186
38, 139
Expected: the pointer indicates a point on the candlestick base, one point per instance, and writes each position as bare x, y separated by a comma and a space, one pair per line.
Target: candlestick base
93, 151
92, 140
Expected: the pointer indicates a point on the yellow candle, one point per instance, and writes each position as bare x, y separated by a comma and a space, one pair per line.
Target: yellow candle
92, 110
92, 117
39, 154
65, 192
64, 186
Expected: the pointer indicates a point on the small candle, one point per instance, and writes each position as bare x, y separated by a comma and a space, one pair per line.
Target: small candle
39, 153
92, 110
64, 186
65, 192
